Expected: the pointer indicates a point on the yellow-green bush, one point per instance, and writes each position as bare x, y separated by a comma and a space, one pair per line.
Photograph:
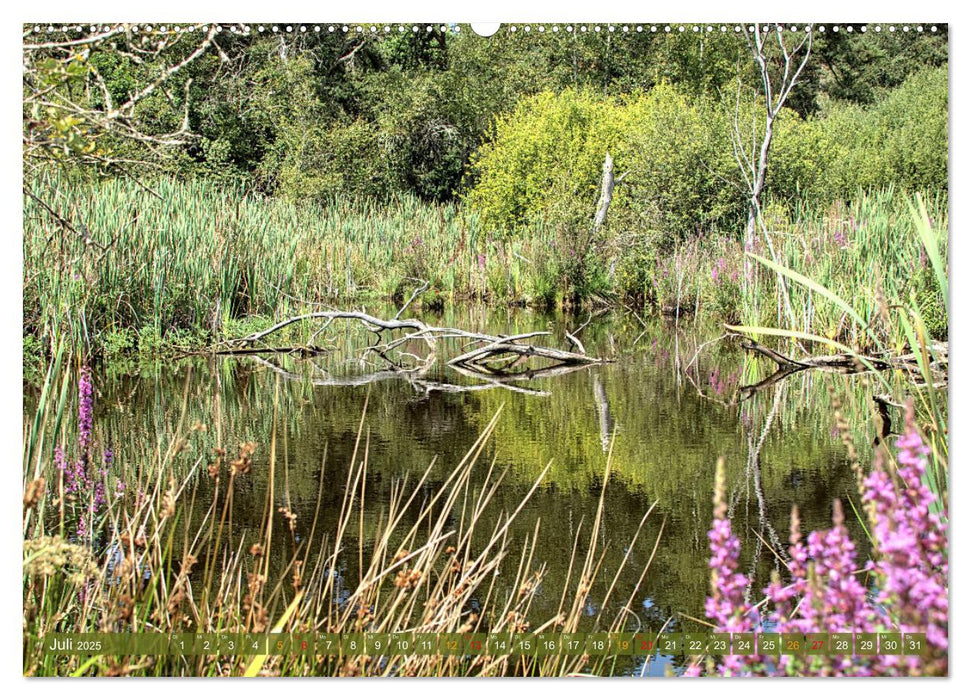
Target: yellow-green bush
551, 147
545, 157
680, 166
545, 161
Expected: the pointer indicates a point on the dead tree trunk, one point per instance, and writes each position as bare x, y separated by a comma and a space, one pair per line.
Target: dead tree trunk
775, 91
606, 194
607, 184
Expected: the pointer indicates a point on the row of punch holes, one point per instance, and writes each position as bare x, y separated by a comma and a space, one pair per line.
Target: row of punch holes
455, 28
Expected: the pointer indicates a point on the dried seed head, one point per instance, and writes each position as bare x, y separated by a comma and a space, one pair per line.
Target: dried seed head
290, 517
34, 492
168, 500
721, 508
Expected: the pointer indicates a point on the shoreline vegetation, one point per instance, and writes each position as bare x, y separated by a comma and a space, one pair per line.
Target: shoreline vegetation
193, 264
163, 569
185, 259
212, 186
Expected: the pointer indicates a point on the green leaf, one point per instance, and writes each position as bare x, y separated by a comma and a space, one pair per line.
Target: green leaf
929, 241
257, 663
814, 286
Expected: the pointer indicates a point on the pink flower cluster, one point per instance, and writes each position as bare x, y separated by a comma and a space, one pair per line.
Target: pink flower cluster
906, 578
80, 477
912, 540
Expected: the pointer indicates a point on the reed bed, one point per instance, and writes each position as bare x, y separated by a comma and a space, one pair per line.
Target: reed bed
870, 252
165, 554
896, 305
172, 256
172, 263
878, 254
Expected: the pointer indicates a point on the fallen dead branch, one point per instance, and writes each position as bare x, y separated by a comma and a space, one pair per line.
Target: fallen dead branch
848, 363
493, 361
417, 380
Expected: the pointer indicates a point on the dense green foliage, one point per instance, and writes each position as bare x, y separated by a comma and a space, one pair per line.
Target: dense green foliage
332, 165
317, 113
900, 140
681, 177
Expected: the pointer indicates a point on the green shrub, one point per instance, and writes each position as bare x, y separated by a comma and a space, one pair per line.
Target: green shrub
901, 140
118, 343
546, 154
150, 340
545, 157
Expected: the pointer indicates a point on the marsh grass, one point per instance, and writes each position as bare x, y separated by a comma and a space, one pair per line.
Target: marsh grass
866, 312
147, 564
196, 258
182, 264
873, 253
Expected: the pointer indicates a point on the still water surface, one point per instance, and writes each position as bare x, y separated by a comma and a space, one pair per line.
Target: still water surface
667, 410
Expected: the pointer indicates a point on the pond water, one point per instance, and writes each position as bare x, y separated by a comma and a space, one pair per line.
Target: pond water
668, 407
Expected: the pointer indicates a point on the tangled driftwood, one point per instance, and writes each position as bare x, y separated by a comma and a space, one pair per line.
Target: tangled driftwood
849, 363
495, 361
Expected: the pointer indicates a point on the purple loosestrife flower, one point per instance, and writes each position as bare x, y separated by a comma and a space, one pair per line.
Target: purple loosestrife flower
71, 480
85, 409
825, 596
98, 499
82, 476
826, 592
76, 478
726, 605
912, 541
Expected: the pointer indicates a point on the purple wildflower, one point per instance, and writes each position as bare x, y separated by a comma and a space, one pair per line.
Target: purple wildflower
85, 409
825, 592
912, 540
75, 477
726, 605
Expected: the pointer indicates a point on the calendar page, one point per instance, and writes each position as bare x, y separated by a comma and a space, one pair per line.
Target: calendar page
448, 349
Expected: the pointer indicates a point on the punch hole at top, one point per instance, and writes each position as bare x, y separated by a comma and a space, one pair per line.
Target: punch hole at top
485, 28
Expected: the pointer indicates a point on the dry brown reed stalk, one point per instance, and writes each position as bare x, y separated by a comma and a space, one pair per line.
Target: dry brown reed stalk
181, 568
